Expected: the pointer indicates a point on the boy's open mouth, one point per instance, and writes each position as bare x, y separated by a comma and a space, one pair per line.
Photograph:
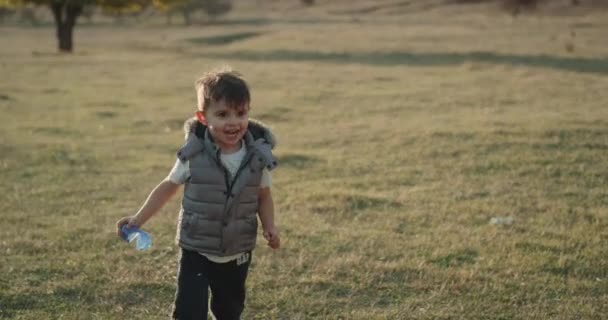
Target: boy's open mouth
231, 133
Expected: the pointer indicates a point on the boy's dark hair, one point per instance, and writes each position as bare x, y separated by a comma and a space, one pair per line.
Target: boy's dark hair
222, 84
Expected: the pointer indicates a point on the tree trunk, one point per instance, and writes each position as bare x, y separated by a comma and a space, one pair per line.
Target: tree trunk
65, 15
186, 15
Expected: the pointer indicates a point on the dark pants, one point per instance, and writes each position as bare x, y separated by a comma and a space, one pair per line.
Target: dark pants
196, 275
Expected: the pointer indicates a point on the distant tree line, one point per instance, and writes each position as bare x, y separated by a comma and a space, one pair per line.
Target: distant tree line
66, 12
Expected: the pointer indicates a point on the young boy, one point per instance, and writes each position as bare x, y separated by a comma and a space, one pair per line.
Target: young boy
224, 166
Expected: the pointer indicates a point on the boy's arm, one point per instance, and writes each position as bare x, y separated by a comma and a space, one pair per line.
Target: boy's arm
155, 201
266, 213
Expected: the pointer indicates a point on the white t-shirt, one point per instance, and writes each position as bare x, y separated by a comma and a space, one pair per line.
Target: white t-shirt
181, 172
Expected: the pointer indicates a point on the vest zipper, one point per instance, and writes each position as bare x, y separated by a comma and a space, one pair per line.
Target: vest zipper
227, 182
244, 163
230, 184
224, 170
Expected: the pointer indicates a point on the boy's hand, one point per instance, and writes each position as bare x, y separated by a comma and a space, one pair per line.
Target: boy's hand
129, 221
272, 236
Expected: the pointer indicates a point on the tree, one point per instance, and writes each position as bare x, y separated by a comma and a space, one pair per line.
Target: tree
66, 12
120, 9
516, 6
65, 15
5, 12
212, 8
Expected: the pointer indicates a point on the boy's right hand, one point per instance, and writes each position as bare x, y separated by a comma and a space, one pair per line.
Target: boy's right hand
272, 236
129, 221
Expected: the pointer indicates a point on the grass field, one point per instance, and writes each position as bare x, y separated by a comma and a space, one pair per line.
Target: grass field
400, 138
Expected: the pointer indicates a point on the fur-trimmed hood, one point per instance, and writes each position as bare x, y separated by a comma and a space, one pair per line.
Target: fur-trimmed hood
257, 128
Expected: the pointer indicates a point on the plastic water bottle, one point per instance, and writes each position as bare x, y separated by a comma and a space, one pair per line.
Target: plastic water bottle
502, 220
142, 239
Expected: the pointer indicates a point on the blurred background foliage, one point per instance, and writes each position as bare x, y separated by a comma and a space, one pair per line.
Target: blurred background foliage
66, 13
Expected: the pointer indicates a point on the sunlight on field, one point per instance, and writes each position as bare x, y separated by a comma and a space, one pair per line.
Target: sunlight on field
400, 138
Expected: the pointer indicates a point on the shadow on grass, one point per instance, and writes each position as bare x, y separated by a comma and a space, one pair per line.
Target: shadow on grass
59, 300
141, 293
224, 38
577, 64
299, 161
339, 206
457, 259
70, 299
252, 22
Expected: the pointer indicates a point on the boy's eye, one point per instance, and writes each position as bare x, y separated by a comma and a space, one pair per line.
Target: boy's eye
221, 114
241, 113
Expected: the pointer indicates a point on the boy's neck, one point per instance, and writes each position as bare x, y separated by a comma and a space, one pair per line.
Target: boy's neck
231, 149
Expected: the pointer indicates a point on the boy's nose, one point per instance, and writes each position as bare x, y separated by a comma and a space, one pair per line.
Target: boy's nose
233, 120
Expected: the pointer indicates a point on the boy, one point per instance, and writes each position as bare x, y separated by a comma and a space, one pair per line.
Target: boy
224, 166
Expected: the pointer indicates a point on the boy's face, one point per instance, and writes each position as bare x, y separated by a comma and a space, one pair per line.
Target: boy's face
226, 125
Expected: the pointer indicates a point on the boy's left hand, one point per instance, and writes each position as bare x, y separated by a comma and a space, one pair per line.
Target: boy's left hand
272, 236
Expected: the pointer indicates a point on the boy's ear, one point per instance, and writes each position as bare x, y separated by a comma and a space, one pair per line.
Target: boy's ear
200, 117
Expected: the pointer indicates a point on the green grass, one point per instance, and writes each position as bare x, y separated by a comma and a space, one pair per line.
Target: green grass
400, 137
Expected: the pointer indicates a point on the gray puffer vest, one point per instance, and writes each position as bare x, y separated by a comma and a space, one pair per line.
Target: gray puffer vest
219, 215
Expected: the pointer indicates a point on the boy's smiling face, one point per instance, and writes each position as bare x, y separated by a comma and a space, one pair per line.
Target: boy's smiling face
227, 125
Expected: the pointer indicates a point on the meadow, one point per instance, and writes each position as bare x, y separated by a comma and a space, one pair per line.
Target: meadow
401, 136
